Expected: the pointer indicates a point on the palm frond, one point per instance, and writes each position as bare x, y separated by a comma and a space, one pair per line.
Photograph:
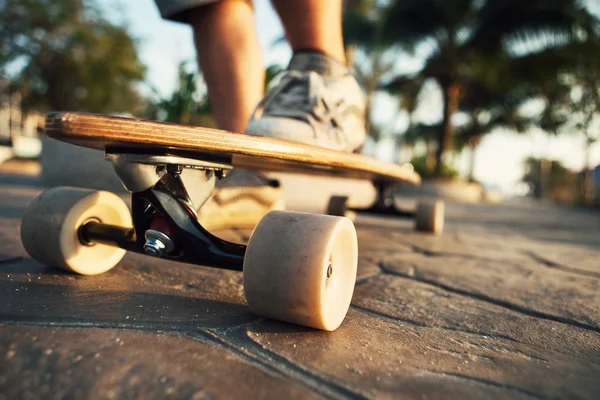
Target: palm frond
412, 21
358, 29
421, 132
407, 89
506, 24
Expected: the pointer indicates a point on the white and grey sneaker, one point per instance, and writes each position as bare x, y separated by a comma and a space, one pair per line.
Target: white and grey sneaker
316, 101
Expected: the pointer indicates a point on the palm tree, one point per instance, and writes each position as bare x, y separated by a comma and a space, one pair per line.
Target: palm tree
487, 110
363, 35
408, 89
483, 122
360, 22
587, 105
570, 90
571, 108
472, 40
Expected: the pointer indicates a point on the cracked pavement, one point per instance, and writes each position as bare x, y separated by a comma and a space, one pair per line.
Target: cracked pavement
505, 304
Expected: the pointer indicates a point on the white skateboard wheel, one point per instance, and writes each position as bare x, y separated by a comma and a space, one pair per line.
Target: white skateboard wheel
301, 268
49, 229
430, 216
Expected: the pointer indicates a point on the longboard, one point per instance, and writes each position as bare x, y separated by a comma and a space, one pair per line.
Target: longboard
297, 267
120, 134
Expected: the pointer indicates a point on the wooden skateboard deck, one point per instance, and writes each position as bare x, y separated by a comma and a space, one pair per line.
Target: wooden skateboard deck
171, 170
123, 135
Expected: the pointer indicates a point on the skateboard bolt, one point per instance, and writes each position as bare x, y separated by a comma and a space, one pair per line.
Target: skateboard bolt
148, 209
329, 270
157, 243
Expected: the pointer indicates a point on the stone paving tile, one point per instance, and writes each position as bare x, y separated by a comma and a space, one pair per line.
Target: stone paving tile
565, 236
13, 200
539, 221
572, 258
58, 363
470, 243
9, 233
574, 247
516, 247
383, 239
527, 287
379, 357
139, 291
427, 305
494, 308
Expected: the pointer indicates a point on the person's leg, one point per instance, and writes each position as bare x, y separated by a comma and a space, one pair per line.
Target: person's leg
317, 101
313, 25
229, 57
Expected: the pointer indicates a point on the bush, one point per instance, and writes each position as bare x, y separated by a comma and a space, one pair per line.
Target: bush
420, 163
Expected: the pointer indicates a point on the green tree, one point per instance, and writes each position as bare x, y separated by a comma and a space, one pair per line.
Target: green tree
550, 179
363, 36
271, 73
474, 40
426, 134
360, 22
572, 104
486, 110
186, 105
64, 55
585, 105
568, 87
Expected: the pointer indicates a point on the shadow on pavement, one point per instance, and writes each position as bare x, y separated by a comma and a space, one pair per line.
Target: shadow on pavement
93, 305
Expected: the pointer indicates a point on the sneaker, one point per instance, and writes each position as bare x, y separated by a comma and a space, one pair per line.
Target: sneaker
316, 101
240, 201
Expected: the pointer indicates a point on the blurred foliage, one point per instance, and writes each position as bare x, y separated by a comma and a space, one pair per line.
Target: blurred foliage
67, 56
362, 22
186, 105
426, 171
271, 74
572, 104
487, 112
549, 179
426, 134
482, 50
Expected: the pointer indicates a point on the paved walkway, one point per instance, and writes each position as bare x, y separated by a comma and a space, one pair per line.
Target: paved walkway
506, 304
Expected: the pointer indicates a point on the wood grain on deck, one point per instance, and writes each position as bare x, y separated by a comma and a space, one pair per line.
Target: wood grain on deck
252, 152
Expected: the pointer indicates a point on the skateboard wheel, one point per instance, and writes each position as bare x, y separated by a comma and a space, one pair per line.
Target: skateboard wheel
338, 205
301, 268
49, 229
430, 216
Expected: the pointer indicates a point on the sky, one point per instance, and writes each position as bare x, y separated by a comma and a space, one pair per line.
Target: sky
163, 44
